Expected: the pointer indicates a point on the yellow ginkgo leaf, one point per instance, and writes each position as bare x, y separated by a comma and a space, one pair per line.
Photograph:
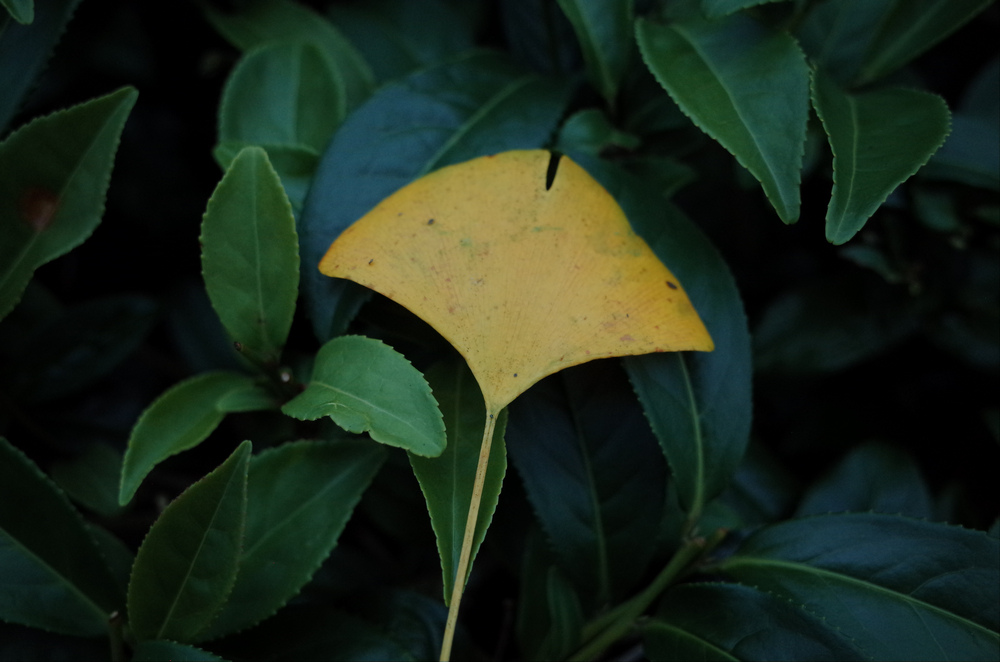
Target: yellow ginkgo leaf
522, 278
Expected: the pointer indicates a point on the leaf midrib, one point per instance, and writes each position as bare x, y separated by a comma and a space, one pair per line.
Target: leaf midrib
372, 405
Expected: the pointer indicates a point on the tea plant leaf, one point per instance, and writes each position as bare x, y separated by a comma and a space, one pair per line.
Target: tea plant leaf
735, 622
366, 386
593, 474
879, 139
181, 418
477, 104
264, 21
186, 566
90, 478
720, 8
294, 164
159, 650
447, 479
745, 86
52, 574
22, 11
859, 573
836, 35
282, 94
56, 171
299, 497
523, 275
910, 28
250, 256
604, 31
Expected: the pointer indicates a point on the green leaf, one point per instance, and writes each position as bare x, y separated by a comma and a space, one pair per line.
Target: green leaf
590, 131
295, 166
22, 11
593, 474
896, 588
52, 574
299, 497
879, 139
447, 479
187, 564
475, 105
179, 419
874, 477
91, 478
24, 50
604, 31
263, 21
366, 386
549, 615
836, 35
56, 171
734, 622
250, 257
744, 85
160, 650
282, 94
720, 8
969, 156
910, 28
540, 36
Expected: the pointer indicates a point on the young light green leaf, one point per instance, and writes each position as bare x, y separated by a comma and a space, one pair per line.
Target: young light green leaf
282, 94
861, 575
910, 28
879, 139
299, 497
22, 11
56, 171
604, 31
179, 419
447, 479
52, 575
250, 256
187, 564
366, 386
264, 21
744, 85
159, 650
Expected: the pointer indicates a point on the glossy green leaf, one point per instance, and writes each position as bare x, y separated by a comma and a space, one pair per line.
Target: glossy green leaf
477, 104
52, 575
446, 480
367, 386
879, 139
734, 622
250, 256
282, 94
396, 37
744, 85
874, 477
56, 171
897, 588
24, 50
187, 564
22, 11
604, 32
179, 419
719, 8
160, 650
263, 21
91, 479
593, 474
299, 497
836, 35
295, 166
910, 28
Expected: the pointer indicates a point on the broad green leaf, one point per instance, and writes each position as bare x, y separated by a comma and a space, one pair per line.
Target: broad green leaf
250, 258
299, 497
910, 28
477, 104
91, 478
56, 171
160, 649
734, 622
874, 477
295, 166
22, 11
879, 139
836, 35
52, 575
720, 8
744, 85
593, 474
604, 32
447, 479
366, 386
24, 50
179, 419
263, 21
282, 94
187, 564
896, 588
396, 37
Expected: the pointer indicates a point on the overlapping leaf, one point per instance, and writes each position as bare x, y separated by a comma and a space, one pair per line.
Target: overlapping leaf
604, 32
